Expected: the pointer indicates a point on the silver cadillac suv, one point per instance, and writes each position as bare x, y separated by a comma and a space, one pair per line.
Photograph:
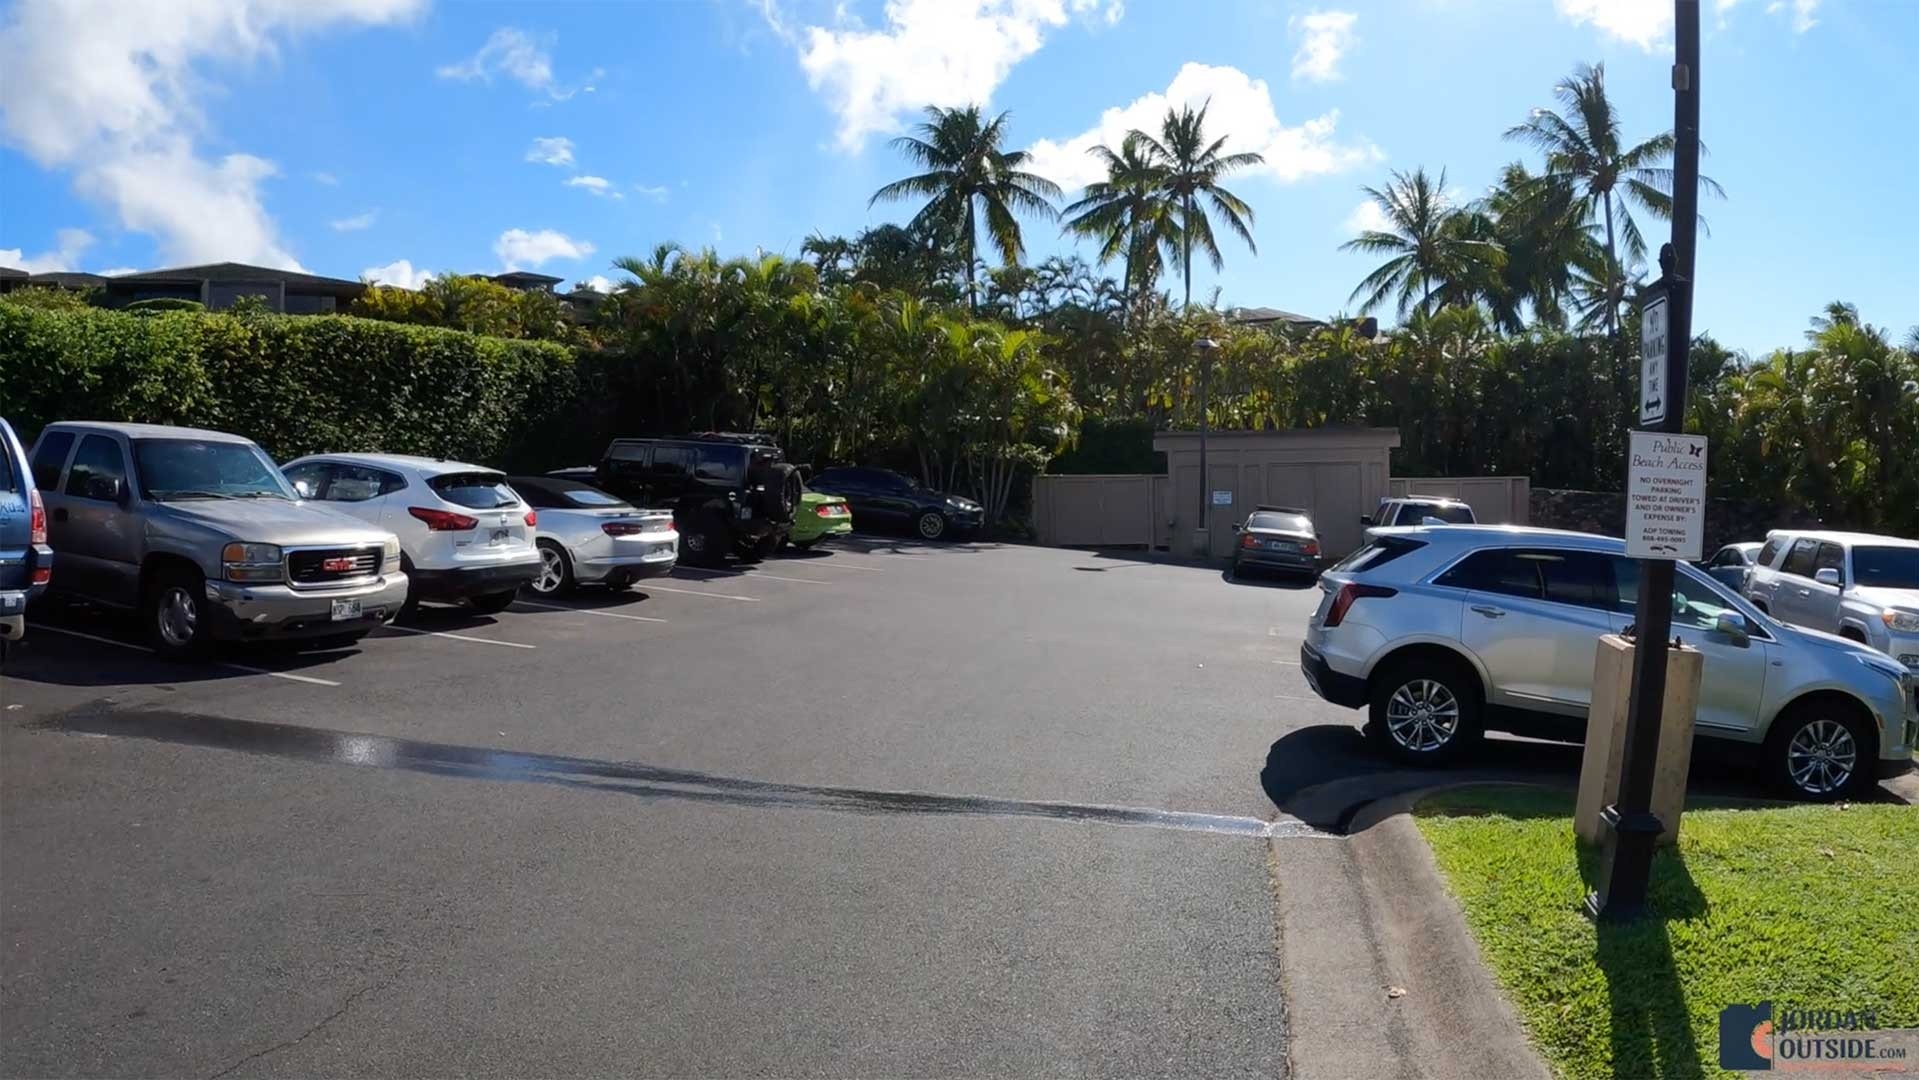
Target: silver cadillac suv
1442, 633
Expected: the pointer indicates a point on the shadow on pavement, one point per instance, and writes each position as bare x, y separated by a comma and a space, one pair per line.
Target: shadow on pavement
60, 650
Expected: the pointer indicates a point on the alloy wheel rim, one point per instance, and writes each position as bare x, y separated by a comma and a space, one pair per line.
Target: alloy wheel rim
1821, 757
1422, 715
178, 616
932, 525
550, 571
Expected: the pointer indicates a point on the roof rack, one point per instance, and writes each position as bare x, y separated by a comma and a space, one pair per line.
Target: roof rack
1284, 510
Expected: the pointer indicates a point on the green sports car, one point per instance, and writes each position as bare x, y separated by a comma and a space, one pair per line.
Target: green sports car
819, 516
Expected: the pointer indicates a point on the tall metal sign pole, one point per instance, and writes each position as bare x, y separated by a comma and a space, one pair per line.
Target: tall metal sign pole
1633, 828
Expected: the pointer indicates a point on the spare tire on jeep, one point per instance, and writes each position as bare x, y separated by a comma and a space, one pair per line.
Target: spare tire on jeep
776, 490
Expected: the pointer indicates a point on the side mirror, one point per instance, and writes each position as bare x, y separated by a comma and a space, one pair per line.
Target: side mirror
106, 488
1826, 576
1732, 625
1366, 520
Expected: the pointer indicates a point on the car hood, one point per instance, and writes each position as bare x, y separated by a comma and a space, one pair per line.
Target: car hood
1886, 598
275, 521
1819, 639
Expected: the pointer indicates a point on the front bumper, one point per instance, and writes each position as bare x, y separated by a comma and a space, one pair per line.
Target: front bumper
467, 581
1346, 690
278, 612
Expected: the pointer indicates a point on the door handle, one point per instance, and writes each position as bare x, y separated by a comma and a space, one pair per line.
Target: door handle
1805, 592
60, 513
1488, 610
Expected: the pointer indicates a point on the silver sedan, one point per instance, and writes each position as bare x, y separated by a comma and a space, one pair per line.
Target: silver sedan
586, 535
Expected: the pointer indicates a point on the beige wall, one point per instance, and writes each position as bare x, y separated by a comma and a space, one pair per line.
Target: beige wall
1336, 475
1496, 500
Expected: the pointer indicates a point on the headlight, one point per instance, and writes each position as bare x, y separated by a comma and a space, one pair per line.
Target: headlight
1906, 622
251, 562
390, 556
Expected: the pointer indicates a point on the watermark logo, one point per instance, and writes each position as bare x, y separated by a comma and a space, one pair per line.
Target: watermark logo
1809, 1040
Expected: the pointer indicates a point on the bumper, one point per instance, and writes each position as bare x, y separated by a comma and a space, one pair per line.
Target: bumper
275, 612
803, 532
966, 520
629, 567
13, 614
466, 581
1276, 560
1345, 690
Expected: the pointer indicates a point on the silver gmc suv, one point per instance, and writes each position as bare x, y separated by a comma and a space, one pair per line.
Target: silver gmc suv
1852, 584
199, 533
1445, 632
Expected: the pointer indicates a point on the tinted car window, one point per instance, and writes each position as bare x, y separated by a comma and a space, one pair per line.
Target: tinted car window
312, 474
672, 463
719, 463
1583, 578
1283, 522
99, 458
1800, 561
1378, 554
591, 498
1498, 571
1451, 514
474, 490
1693, 604
1886, 567
1830, 557
1729, 557
49, 458
1768, 552
627, 459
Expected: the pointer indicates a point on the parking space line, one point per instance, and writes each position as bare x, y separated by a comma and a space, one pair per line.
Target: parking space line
459, 637
288, 675
650, 587
589, 611
823, 564
749, 574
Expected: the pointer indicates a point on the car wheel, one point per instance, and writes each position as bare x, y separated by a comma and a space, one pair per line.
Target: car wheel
931, 525
1424, 710
706, 542
556, 571
1820, 751
176, 615
767, 546
806, 545
410, 606
494, 602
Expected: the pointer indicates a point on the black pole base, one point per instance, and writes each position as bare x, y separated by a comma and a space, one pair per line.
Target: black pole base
1625, 870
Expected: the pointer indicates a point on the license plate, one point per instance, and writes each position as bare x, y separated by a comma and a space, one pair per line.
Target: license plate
345, 609
746, 513
1281, 545
499, 536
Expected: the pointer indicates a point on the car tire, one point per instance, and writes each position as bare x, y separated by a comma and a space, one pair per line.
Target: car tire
707, 542
494, 602
175, 612
409, 607
556, 571
931, 525
1821, 751
1425, 710
768, 546
805, 545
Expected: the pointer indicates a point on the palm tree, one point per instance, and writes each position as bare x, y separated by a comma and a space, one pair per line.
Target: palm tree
1546, 235
1587, 160
969, 175
1127, 213
1191, 168
1433, 250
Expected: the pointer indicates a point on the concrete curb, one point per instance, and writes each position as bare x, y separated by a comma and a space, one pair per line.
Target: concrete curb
1361, 918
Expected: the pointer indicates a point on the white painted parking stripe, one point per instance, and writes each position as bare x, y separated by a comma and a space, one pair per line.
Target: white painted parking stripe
288, 675
650, 587
589, 611
826, 564
460, 637
751, 574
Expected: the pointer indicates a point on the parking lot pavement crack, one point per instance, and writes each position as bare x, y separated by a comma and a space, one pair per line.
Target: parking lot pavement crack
303, 1036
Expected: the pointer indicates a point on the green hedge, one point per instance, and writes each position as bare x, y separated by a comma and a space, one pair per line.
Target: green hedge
294, 384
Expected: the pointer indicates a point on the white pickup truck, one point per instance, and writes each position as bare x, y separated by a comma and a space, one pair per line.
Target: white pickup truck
1418, 510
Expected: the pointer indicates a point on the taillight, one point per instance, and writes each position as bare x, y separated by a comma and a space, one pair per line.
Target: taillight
1309, 547
37, 526
672, 526
1348, 593
1248, 540
532, 518
42, 575
825, 510
622, 528
442, 520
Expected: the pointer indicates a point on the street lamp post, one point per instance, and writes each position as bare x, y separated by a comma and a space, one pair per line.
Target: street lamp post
1205, 347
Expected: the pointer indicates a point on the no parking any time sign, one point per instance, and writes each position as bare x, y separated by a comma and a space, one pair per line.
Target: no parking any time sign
1666, 496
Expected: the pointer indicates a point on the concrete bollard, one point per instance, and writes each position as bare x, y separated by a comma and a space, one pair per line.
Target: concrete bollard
1599, 768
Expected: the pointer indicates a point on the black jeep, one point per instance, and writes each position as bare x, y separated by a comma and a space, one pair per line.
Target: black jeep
727, 491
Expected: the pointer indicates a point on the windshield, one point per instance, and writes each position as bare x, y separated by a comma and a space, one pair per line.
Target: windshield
1886, 567
174, 470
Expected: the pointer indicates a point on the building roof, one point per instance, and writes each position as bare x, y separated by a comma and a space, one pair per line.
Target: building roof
1254, 316
10, 274
69, 279
526, 279
241, 272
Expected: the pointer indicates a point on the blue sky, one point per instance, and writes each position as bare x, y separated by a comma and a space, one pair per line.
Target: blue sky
401, 137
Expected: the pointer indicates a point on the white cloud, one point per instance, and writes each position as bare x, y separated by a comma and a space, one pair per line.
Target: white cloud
519, 249
68, 246
931, 52
598, 283
1802, 15
109, 90
1645, 23
1367, 217
598, 185
657, 193
118, 270
326, 178
1325, 38
554, 150
399, 272
1241, 109
515, 54
354, 223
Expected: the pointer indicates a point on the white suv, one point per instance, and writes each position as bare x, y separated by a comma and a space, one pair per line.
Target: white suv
1852, 584
1444, 632
464, 534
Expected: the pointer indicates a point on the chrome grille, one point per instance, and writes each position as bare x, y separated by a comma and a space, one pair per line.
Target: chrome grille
310, 566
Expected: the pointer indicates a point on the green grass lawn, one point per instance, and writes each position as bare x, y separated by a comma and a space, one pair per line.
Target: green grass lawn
1805, 906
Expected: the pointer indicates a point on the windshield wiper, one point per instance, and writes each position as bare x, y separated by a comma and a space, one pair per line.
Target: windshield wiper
170, 495
256, 495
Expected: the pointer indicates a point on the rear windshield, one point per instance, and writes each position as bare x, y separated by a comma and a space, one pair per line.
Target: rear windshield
1284, 522
474, 490
1378, 554
587, 496
1886, 567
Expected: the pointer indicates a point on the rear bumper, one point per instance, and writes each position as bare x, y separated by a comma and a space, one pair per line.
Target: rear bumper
13, 614
466, 581
1345, 690
1276, 560
635, 567
277, 612
802, 531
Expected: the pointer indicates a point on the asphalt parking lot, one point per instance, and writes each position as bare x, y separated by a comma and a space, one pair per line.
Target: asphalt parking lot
881, 808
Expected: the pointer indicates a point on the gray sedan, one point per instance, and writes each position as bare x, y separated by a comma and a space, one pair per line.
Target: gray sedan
586, 535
